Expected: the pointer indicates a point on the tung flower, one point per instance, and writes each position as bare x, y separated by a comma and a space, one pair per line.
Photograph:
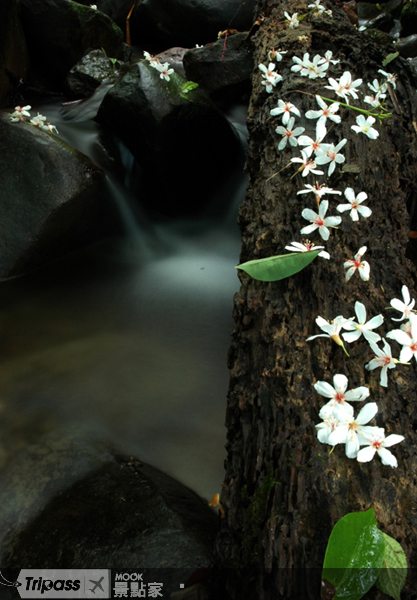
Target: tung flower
293, 20
357, 264
326, 112
391, 78
20, 112
164, 70
365, 126
331, 330
320, 221
329, 154
405, 307
289, 134
284, 109
361, 327
307, 247
351, 431
338, 394
378, 443
270, 77
383, 358
408, 342
354, 205
307, 165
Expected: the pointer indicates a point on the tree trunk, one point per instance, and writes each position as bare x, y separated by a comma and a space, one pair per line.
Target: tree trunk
283, 492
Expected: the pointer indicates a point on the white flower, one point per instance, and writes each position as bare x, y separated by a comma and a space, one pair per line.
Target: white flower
270, 77
354, 206
318, 190
307, 68
20, 112
377, 87
288, 134
293, 20
357, 264
383, 358
164, 70
326, 112
331, 330
307, 165
93, 6
391, 78
361, 327
351, 431
345, 87
317, 5
312, 145
325, 428
330, 13
377, 442
409, 342
153, 61
365, 126
49, 127
330, 154
275, 55
319, 220
284, 109
307, 247
374, 101
38, 120
405, 307
328, 57
338, 395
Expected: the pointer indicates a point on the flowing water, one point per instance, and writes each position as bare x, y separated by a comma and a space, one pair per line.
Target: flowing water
126, 340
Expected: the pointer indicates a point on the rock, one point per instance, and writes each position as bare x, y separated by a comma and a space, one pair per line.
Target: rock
368, 11
14, 58
188, 22
59, 33
117, 10
52, 199
69, 503
179, 141
408, 18
223, 69
94, 69
407, 46
174, 57
383, 22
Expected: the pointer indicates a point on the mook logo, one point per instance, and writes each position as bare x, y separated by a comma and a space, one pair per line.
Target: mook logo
63, 583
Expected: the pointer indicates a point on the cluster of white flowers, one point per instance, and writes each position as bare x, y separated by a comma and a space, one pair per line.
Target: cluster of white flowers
163, 68
338, 422
21, 113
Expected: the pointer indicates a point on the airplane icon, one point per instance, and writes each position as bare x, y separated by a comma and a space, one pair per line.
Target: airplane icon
96, 584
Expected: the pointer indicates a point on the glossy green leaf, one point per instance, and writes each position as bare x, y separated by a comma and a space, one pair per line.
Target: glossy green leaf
354, 555
389, 58
188, 86
394, 568
279, 267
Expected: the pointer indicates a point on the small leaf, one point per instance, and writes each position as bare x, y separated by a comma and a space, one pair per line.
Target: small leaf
279, 267
188, 86
394, 568
389, 58
354, 555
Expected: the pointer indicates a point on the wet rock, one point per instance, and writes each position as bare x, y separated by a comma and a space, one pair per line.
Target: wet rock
59, 33
93, 70
179, 140
175, 58
117, 10
383, 22
188, 22
69, 503
223, 69
407, 46
52, 198
14, 58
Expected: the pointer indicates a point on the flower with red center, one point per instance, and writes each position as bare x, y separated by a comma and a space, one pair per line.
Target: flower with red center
405, 307
307, 165
339, 395
319, 221
378, 443
329, 153
270, 77
307, 247
408, 342
354, 205
284, 109
326, 112
332, 330
383, 358
164, 70
353, 431
289, 134
20, 112
357, 265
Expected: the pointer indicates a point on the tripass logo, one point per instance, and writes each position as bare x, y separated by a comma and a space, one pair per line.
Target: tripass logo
62, 583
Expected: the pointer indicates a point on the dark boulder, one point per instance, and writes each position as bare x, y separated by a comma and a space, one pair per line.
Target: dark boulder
188, 22
223, 69
183, 144
94, 69
14, 59
52, 198
59, 33
68, 503
407, 47
117, 10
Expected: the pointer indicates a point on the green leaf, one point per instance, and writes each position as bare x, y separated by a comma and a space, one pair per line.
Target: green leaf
354, 555
279, 267
390, 58
394, 568
188, 86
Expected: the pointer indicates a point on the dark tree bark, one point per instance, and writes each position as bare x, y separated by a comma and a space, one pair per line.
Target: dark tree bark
283, 492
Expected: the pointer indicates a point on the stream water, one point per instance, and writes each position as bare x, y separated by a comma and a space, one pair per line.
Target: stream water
127, 339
